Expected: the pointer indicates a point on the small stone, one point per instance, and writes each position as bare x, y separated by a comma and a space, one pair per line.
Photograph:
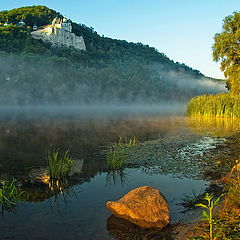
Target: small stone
145, 206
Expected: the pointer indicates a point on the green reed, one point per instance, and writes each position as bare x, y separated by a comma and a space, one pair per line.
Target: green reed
220, 105
116, 158
59, 165
10, 195
116, 155
125, 141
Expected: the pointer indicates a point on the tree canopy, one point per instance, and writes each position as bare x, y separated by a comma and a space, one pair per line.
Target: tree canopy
226, 49
40, 15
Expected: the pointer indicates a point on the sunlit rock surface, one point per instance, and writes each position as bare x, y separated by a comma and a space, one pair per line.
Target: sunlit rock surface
144, 206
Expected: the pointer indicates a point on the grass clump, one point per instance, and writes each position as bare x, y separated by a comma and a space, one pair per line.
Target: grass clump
126, 142
221, 105
116, 154
10, 195
59, 165
116, 158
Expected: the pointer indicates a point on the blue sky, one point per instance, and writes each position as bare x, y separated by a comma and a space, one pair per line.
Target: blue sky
182, 29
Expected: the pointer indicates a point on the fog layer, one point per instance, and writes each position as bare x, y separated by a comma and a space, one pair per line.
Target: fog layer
39, 80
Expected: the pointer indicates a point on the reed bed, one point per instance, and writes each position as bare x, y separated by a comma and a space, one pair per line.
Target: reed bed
221, 105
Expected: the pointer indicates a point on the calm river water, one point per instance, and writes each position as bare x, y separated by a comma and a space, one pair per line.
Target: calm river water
170, 149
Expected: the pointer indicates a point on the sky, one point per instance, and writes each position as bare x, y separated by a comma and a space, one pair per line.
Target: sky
181, 29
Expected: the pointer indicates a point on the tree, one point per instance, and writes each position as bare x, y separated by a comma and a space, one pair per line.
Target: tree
226, 49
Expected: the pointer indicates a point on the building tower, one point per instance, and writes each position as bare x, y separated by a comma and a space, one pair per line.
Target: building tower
66, 25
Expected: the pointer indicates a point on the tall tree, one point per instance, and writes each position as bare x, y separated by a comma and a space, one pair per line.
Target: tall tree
226, 49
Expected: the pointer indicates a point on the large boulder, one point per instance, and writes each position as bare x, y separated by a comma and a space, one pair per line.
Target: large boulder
144, 206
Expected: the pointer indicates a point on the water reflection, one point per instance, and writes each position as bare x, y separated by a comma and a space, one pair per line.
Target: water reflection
213, 126
63, 194
10, 208
121, 229
114, 177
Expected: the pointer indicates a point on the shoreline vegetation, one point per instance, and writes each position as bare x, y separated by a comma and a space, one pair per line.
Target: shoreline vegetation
224, 219
220, 105
226, 49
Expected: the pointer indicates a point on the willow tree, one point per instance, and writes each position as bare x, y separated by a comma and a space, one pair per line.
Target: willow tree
226, 49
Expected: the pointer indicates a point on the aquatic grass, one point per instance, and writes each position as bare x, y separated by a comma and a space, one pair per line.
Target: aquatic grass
220, 105
59, 165
10, 195
125, 141
116, 158
116, 154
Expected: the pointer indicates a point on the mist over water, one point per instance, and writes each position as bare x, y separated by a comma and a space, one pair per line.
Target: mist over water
94, 111
30, 80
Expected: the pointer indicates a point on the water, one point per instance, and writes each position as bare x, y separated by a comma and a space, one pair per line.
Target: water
167, 158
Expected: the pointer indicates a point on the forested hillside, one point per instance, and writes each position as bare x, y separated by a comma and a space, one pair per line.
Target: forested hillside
33, 71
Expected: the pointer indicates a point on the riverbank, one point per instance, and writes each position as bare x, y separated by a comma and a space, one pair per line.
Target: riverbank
227, 212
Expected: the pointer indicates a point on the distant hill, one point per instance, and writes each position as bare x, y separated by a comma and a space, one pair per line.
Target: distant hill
35, 72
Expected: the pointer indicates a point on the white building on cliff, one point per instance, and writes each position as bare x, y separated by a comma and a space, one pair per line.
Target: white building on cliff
60, 33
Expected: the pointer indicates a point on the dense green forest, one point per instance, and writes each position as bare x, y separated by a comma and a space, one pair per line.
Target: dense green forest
226, 50
33, 71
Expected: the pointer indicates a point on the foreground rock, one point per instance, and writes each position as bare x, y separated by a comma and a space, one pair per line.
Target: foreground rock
144, 206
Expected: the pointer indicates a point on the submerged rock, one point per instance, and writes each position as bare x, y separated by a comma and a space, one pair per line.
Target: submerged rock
144, 206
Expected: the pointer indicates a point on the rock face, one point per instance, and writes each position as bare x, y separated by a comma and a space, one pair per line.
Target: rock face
144, 206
